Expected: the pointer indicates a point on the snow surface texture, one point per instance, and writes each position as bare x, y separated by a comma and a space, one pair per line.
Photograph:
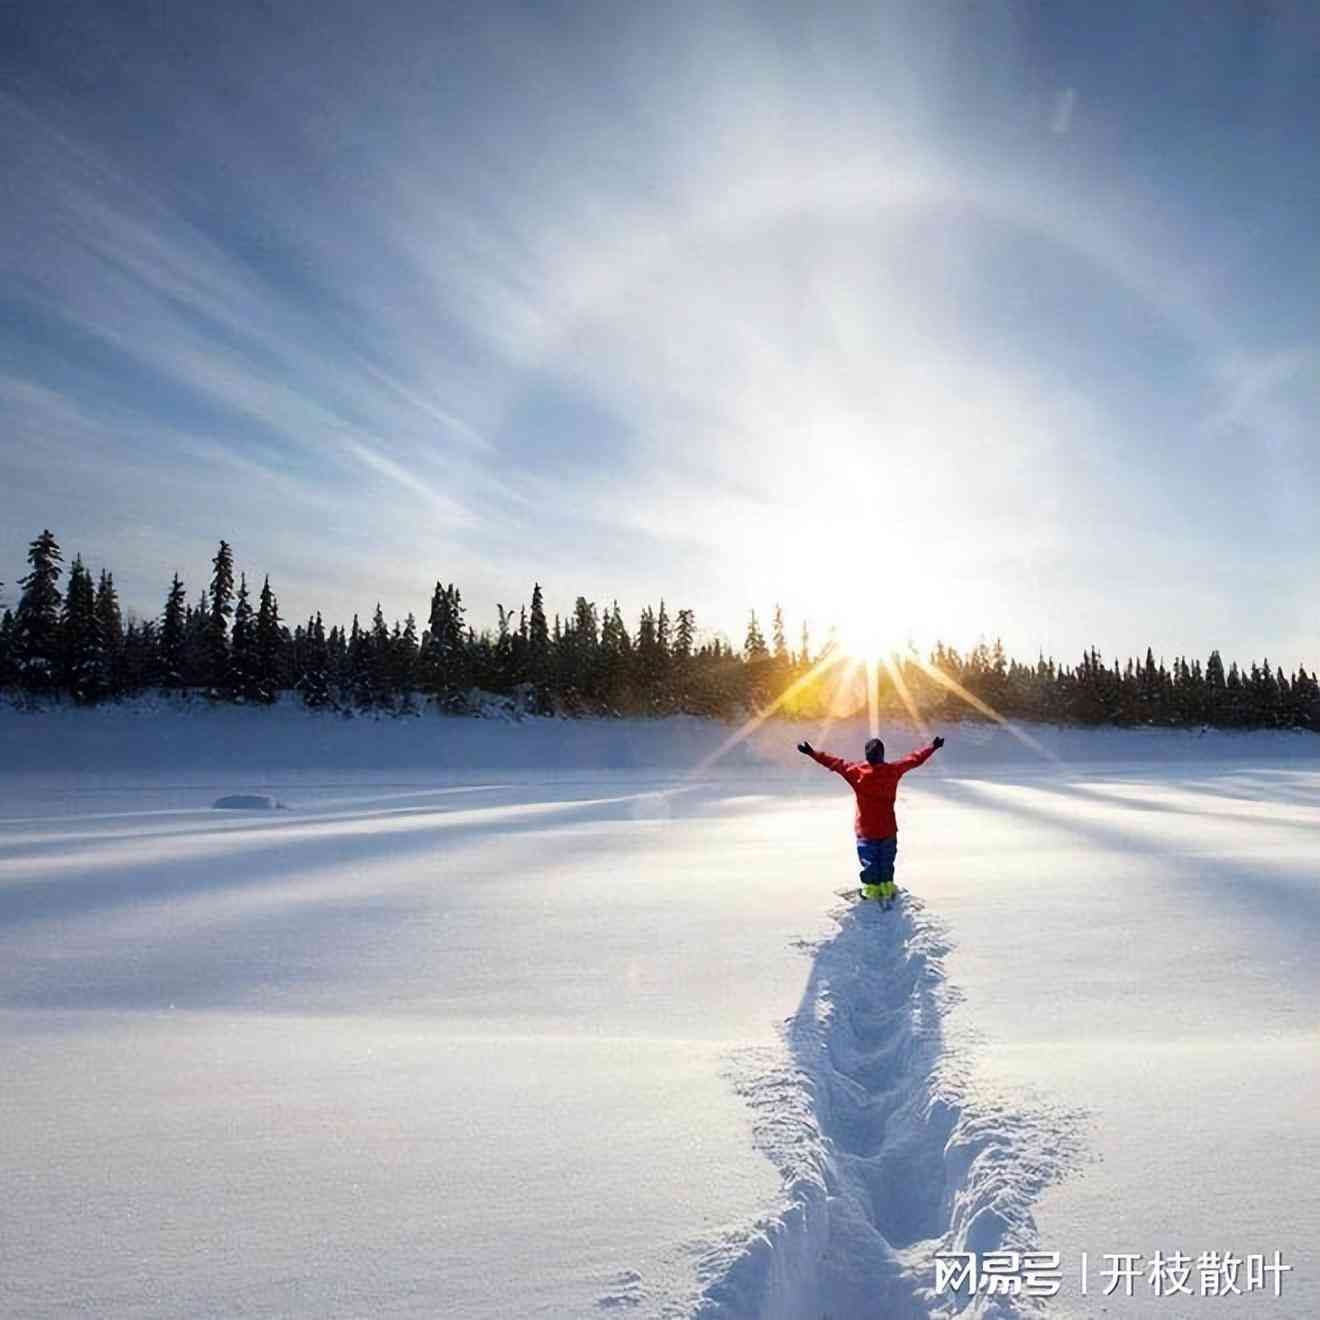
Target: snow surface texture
561, 1019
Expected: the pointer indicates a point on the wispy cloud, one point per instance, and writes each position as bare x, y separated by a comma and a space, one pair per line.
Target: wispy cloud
679, 305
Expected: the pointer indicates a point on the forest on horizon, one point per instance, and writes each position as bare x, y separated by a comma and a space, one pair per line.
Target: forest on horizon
73, 641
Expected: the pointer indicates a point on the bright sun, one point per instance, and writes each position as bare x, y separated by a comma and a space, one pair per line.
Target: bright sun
877, 619
875, 597
865, 638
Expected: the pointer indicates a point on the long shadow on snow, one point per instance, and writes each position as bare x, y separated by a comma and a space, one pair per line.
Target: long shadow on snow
886, 1151
1070, 787
1294, 908
295, 947
117, 876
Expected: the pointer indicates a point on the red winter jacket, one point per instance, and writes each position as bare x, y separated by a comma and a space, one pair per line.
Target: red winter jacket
875, 786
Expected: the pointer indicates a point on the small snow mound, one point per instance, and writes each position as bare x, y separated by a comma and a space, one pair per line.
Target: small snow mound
248, 802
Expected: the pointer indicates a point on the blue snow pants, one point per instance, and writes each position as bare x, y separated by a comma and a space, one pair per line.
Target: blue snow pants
877, 859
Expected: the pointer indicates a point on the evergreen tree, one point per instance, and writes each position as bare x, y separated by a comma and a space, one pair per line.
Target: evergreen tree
581, 642
685, 635
378, 661
141, 655
314, 680
754, 647
173, 637
8, 663
268, 678
358, 665
995, 685
780, 640
197, 643
650, 687
444, 663
756, 678
432, 664
406, 651
222, 608
538, 637
242, 681
82, 658
538, 649
36, 639
110, 626
1089, 698
1233, 712
615, 660
336, 649
662, 666
502, 676
1149, 688
681, 663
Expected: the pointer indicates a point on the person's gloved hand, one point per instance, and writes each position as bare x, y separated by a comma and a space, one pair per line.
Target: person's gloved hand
937, 743
805, 748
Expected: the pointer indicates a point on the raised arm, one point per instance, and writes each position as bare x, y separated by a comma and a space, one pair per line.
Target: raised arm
920, 757
835, 763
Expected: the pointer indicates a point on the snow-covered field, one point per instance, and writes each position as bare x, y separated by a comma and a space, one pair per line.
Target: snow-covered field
562, 1019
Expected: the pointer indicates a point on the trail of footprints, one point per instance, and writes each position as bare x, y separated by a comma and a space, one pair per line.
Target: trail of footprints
884, 1157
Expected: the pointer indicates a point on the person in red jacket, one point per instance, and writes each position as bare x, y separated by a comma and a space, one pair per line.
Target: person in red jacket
875, 782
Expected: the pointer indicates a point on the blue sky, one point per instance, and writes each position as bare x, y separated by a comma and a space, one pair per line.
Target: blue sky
967, 320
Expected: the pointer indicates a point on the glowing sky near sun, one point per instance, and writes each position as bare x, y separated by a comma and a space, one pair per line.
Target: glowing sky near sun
972, 320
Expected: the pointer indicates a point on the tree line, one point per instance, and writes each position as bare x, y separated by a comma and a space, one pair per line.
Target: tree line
231, 644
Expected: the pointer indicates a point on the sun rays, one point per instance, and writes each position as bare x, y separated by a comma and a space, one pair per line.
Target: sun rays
823, 666
842, 667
